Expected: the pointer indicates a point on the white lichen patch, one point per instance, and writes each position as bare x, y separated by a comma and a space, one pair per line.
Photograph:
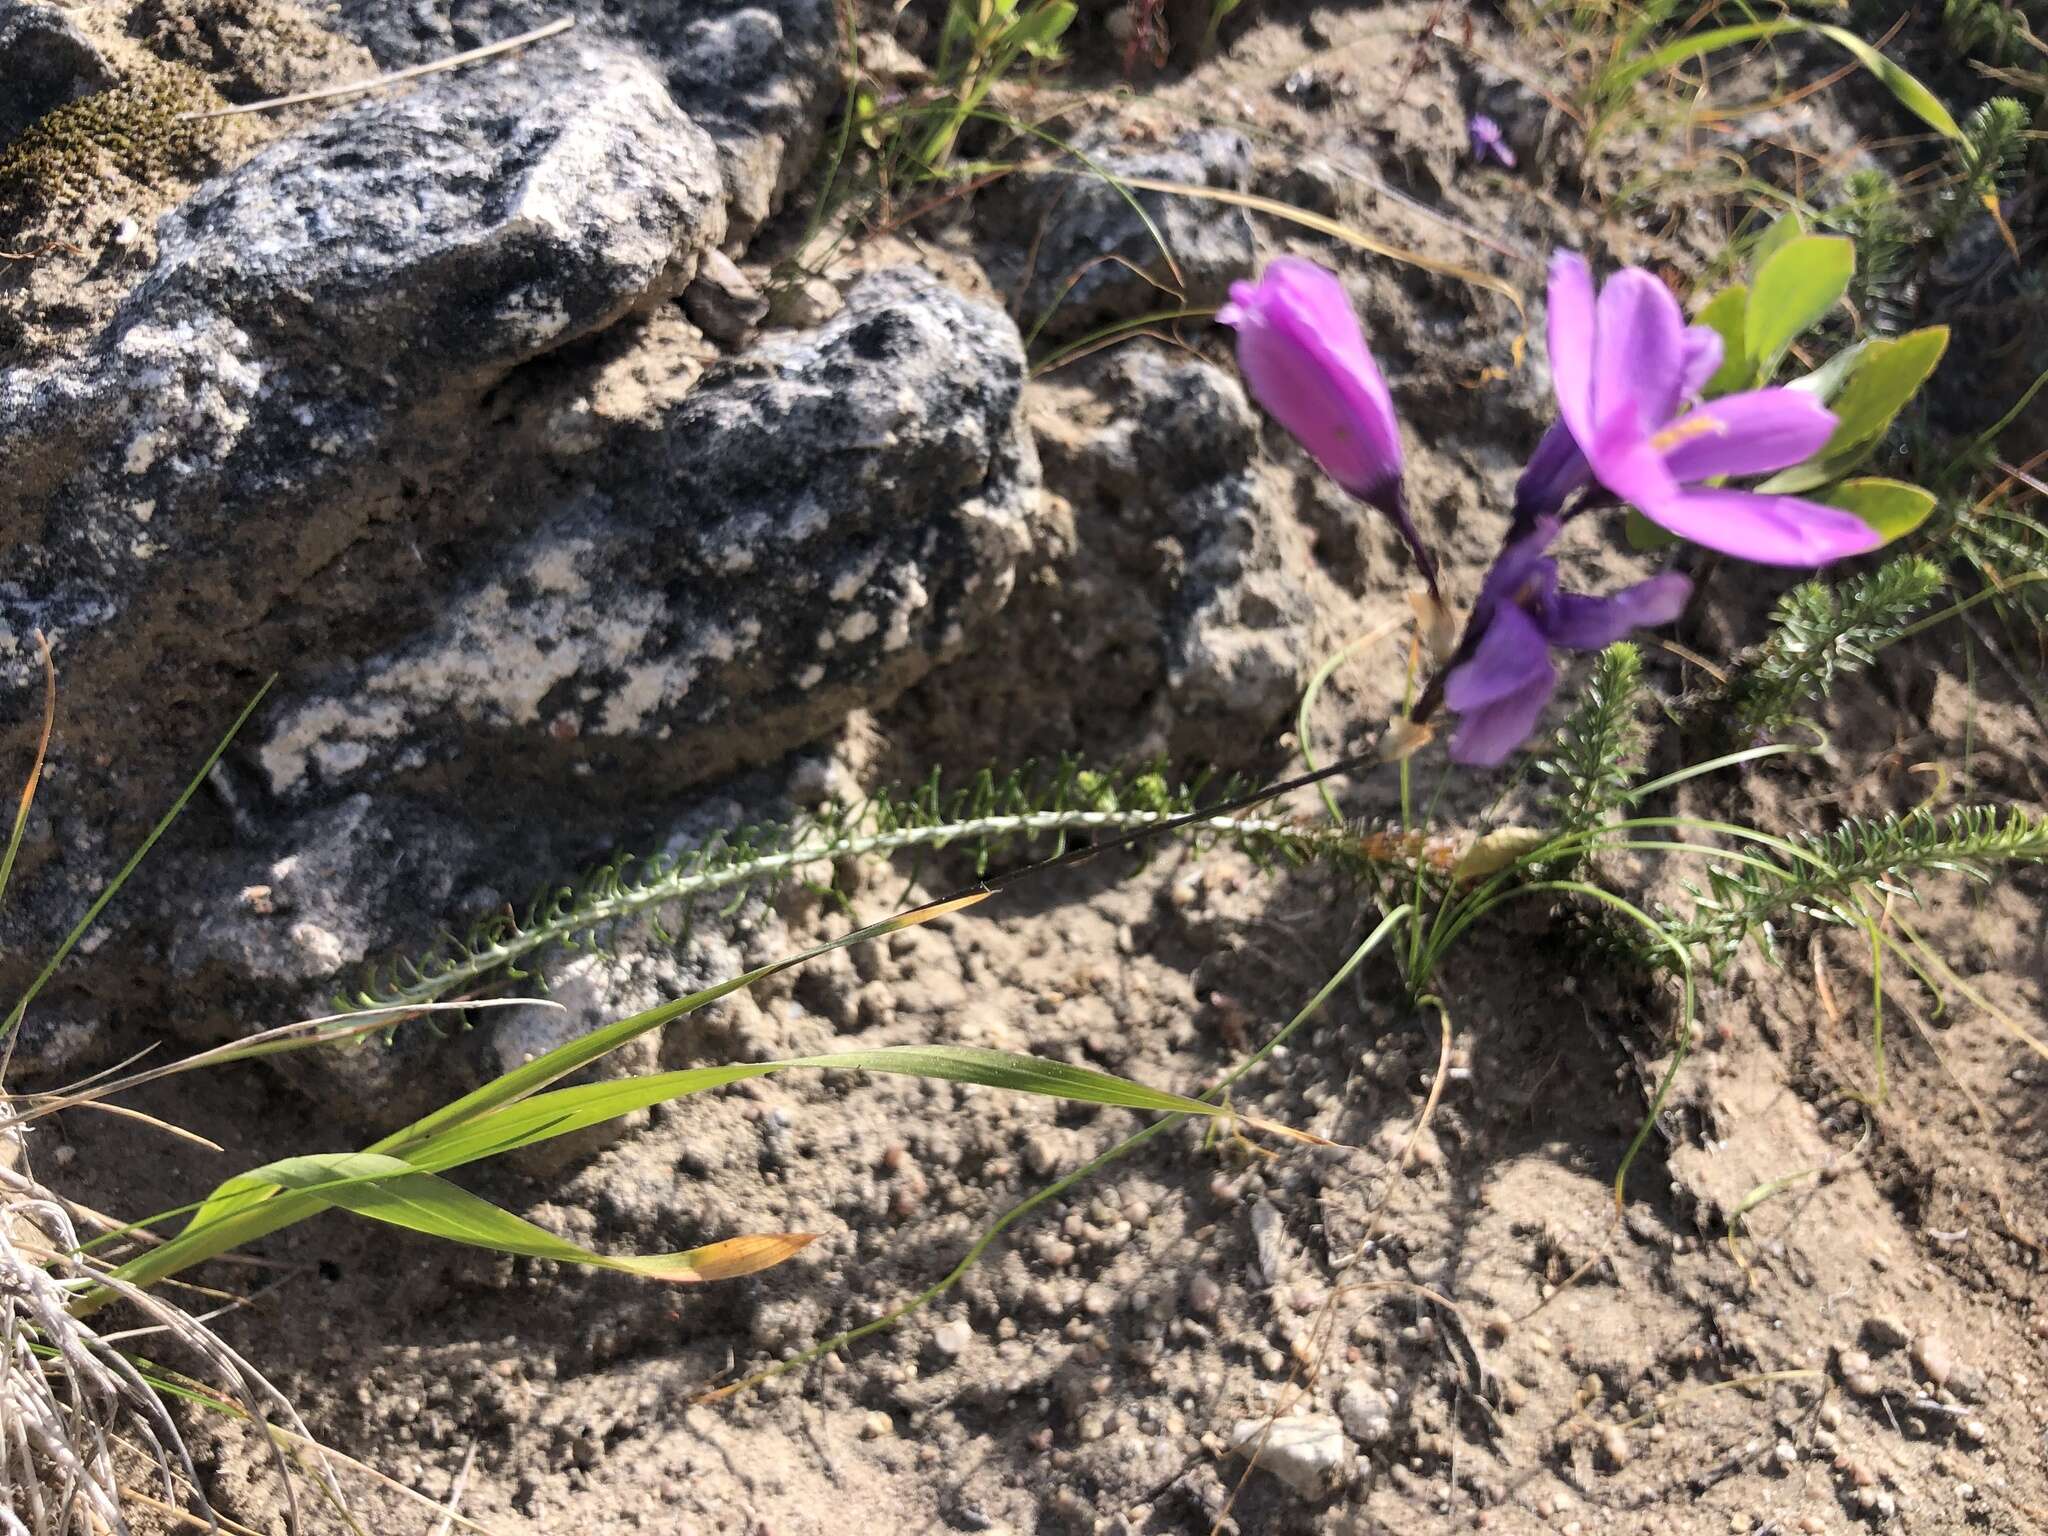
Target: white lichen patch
492, 662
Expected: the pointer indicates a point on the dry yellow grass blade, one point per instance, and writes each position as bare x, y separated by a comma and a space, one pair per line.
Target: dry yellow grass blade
748, 1255
1356, 238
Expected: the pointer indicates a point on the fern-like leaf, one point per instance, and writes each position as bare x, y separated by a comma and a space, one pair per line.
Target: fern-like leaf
1823, 632
1885, 854
1872, 214
1997, 31
1993, 151
1599, 745
992, 817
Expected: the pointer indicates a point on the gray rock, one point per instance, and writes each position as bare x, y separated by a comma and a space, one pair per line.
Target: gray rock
723, 301
1366, 1412
1174, 470
46, 61
401, 252
449, 234
1307, 1452
1934, 1358
756, 74
350, 876
812, 527
805, 304
1073, 240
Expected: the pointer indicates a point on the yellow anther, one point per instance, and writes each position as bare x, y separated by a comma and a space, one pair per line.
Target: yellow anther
1696, 425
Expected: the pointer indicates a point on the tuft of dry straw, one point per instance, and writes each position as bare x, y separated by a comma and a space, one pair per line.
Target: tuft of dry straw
73, 1408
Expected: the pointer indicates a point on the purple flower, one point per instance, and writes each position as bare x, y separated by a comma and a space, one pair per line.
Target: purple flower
1504, 675
1621, 365
1487, 140
1558, 470
1305, 358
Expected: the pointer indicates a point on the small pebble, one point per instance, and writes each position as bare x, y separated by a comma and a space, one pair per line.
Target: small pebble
1204, 1294
1975, 1431
1785, 1455
951, 1339
877, 1426
1935, 1360
1614, 1443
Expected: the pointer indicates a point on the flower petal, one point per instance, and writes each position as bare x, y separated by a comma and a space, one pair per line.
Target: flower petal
1703, 352
1629, 466
1591, 623
1771, 530
1572, 332
1639, 357
1500, 693
1511, 657
1302, 352
1556, 470
1746, 434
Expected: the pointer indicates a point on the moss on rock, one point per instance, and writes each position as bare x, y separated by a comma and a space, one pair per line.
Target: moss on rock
138, 130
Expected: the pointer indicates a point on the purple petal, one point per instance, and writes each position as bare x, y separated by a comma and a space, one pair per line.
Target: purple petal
1500, 693
1303, 354
1557, 469
1629, 466
1771, 530
1703, 351
1572, 329
1485, 737
1487, 140
1746, 434
1511, 657
1591, 623
1639, 354
1521, 574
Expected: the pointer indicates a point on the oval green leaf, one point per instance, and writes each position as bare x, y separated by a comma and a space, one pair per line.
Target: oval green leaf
1885, 375
1799, 284
1727, 315
1892, 507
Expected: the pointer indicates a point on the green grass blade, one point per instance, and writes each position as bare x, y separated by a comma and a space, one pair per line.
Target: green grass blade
134, 862
577, 1054
390, 1190
1912, 95
35, 771
546, 1116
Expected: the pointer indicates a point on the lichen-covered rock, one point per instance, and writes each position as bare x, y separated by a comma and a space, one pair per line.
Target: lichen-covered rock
1166, 480
811, 527
757, 75
448, 234
1079, 256
304, 307
344, 880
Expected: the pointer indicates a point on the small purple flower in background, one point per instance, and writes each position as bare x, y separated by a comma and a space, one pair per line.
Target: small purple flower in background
1505, 675
1621, 365
1487, 140
1303, 354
